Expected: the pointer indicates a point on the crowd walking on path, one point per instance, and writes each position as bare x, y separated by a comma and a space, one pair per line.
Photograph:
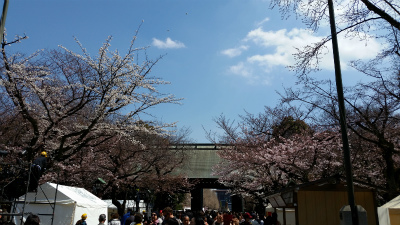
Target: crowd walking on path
167, 217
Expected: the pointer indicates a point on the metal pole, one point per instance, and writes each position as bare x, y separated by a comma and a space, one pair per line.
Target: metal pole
342, 110
3, 20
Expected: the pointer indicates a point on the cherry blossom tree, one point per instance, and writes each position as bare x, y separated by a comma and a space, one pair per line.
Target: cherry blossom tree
273, 121
372, 110
67, 102
86, 113
372, 119
147, 166
261, 165
261, 161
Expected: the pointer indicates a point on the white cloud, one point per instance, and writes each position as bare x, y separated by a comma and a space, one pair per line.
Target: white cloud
168, 43
270, 60
282, 44
262, 22
246, 70
274, 49
232, 52
240, 70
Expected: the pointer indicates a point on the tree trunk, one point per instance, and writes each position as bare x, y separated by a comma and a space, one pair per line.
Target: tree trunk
391, 184
114, 199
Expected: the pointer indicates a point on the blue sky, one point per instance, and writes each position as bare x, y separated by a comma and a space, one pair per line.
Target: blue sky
222, 57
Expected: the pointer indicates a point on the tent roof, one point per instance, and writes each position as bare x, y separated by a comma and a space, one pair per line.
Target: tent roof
394, 203
65, 194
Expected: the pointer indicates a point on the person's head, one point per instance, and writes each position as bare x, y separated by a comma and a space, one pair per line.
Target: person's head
185, 220
235, 220
179, 215
32, 219
274, 216
43, 153
1, 212
214, 215
115, 216
220, 218
153, 216
200, 220
138, 218
84, 216
102, 218
247, 216
200, 214
167, 212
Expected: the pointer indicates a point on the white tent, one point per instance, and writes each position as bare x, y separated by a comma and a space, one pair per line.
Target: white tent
389, 213
71, 203
129, 204
290, 214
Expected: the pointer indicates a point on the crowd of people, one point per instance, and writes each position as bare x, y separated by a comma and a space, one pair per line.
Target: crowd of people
164, 217
167, 217
228, 218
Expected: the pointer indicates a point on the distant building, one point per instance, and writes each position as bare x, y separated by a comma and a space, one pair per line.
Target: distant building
224, 198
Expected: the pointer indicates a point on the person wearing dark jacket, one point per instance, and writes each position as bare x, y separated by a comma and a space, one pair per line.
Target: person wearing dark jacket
169, 218
126, 215
38, 167
130, 219
247, 217
82, 221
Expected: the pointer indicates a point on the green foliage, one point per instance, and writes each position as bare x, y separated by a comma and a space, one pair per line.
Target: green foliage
289, 127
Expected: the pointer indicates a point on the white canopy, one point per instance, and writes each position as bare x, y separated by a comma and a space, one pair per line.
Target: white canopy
389, 213
71, 203
129, 204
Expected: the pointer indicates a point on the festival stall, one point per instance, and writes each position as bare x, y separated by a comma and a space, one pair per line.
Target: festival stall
389, 213
69, 204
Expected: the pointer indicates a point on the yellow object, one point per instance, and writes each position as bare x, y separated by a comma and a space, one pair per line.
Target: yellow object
84, 216
44, 154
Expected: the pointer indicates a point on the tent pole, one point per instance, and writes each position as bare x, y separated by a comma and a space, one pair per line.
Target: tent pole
55, 199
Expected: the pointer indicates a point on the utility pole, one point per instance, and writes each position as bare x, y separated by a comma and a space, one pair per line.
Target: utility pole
342, 111
3, 20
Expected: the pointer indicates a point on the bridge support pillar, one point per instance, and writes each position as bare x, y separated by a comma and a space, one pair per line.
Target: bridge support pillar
237, 203
197, 199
